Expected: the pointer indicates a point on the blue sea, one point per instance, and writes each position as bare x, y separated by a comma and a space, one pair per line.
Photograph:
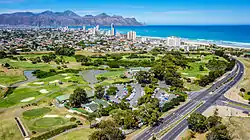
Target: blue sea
232, 35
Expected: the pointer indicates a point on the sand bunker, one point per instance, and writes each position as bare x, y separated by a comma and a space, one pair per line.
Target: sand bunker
67, 77
44, 91
50, 116
64, 74
27, 99
68, 116
55, 81
38, 83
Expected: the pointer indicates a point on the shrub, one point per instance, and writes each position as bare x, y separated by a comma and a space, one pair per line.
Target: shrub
72, 119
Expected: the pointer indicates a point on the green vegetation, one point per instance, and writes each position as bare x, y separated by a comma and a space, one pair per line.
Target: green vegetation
78, 97
54, 132
35, 113
108, 130
48, 122
216, 130
82, 134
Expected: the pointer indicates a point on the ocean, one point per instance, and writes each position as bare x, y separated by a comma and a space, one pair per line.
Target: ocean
231, 35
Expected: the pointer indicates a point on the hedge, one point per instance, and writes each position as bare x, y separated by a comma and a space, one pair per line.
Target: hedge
54, 132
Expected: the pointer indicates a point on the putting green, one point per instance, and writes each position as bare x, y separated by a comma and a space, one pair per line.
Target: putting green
34, 113
49, 122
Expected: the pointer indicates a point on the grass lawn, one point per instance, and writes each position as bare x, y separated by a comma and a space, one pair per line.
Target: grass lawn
26, 64
45, 124
82, 134
8, 126
10, 76
49, 122
245, 82
194, 70
18, 95
34, 113
111, 74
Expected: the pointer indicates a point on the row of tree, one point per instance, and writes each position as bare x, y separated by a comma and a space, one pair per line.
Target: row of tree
201, 124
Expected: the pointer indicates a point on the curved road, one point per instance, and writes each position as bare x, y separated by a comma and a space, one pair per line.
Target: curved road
218, 89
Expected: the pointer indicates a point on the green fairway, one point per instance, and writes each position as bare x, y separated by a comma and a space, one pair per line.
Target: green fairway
35, 113
111, 74
18, 95
49, 122
194, 70
25, 64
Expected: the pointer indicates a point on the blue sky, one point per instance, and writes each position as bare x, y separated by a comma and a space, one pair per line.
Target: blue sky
148, 11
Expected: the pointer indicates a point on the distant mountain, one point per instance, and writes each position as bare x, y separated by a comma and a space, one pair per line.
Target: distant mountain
66, 18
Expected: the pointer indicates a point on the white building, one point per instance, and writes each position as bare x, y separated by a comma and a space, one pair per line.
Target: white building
131, 35
112, 29
173, 41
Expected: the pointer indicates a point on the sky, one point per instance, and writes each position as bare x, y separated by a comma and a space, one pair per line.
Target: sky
151, 12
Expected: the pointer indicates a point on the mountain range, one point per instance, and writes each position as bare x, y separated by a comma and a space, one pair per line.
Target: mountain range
66, 18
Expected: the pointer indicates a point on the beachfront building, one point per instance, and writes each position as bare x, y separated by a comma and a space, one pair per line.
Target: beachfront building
173, 41
112, 30
131, 35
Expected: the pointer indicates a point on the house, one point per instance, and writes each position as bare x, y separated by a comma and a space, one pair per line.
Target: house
94, 105
90, 107
62, 99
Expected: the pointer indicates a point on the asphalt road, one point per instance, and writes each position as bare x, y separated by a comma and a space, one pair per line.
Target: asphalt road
218, 89
209, 100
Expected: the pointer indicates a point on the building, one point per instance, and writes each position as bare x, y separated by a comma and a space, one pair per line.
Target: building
173, 41
61, 100
112, 30
131, 35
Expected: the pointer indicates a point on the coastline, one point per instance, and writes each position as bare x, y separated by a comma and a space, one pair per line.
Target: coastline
224, 44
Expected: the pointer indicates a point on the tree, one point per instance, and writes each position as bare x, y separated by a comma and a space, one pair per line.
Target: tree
99, 92
242, 90
67, 51
219, 53
91, 117
201, 68
46, 58
2, 55
197, 123
144, 77
78, 97
112, 90
108, 131
219, 132
214, 120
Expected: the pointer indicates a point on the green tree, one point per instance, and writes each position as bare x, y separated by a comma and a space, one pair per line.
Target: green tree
197, 123
144, 77
219, 132
2, 55
112, 90
78, 97
99, 92
201, 68
108, 131
46, 58
67, 51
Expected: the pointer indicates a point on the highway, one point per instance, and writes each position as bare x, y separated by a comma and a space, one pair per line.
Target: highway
218, 89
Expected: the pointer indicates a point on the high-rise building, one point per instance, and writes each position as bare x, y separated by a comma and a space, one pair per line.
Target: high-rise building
173, 41
84, 28
131, 35
112, 29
